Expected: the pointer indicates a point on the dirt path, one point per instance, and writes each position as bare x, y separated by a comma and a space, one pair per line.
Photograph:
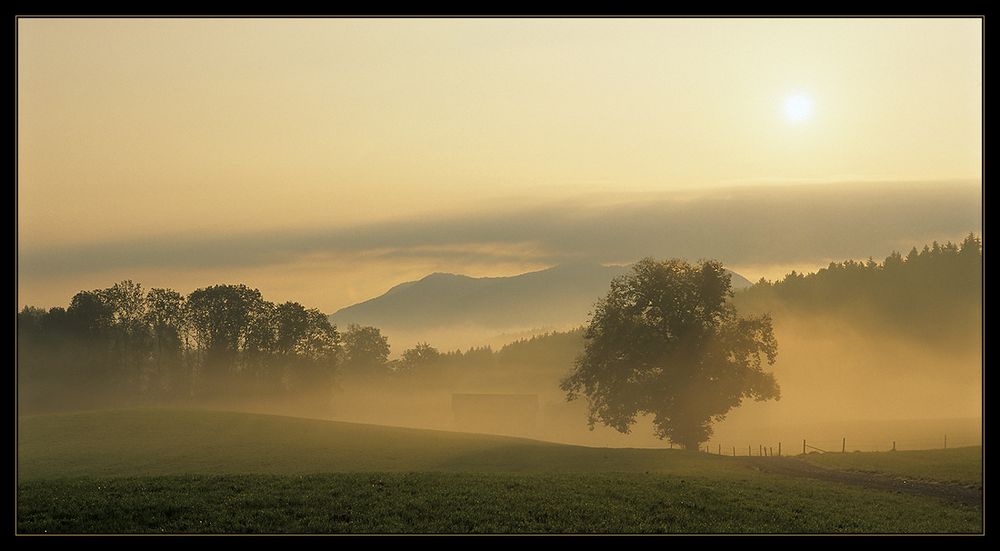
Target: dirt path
794, 467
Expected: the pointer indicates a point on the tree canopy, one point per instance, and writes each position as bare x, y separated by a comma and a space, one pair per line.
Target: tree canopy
367, 350
219, 340
419, 356
934, 294
666, 342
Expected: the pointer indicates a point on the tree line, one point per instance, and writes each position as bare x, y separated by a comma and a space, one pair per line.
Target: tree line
158, 344
933, 294
125, 343
128, 345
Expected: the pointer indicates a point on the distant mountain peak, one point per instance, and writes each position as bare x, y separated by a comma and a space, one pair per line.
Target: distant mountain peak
558, 296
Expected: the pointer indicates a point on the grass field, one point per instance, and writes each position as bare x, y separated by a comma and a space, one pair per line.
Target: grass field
958, 466
164, 471
168, 442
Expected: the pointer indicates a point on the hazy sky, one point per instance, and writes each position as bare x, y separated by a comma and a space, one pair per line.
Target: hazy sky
325, 160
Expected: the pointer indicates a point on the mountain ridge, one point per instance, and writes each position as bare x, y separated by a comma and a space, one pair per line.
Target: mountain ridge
559, 296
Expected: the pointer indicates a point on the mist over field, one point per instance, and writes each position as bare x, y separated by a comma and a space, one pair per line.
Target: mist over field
870, 350
499, 275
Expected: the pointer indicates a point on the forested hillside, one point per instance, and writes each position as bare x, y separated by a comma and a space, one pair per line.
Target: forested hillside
934, 294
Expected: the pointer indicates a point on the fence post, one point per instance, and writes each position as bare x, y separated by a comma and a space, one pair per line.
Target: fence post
893, 445
771, 452
843, 445
779, 449
946, 441
720, 449
803, 446
734, 451
749, 453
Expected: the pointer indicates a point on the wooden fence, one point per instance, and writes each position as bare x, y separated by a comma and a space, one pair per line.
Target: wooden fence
774, 449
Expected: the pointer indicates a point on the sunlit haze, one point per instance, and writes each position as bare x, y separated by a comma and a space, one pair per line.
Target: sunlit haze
499, 275
798, 108
165, 132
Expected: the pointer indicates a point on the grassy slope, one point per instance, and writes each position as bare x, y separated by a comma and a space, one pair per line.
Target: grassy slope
168, 442
958, 465
198, 471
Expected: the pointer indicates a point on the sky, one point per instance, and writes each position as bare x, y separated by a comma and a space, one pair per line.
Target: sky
326, 160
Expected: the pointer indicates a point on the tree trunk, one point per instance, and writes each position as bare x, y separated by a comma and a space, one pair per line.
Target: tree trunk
691, 445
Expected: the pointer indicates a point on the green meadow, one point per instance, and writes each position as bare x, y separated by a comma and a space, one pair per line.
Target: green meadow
169, 471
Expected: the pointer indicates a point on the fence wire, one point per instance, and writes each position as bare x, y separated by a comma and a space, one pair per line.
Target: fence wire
840, 445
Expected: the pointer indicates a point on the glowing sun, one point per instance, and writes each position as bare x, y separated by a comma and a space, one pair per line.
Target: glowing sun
798, 108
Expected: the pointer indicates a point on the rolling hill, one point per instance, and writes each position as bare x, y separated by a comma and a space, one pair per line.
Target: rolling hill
153, 442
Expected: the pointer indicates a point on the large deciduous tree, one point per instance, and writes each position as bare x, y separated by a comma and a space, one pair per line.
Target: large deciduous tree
127, 305
320, 343
367, 350
167, 322
665, 342
308, 347
230, 321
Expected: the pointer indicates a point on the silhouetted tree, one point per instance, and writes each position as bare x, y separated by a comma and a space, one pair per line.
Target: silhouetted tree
167, 322
131, 339
321, 343
293, 322
89, 315
309, 347
367, 350
127, 345
255, 360
665, 342
88, 323
419, 357
227, 320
